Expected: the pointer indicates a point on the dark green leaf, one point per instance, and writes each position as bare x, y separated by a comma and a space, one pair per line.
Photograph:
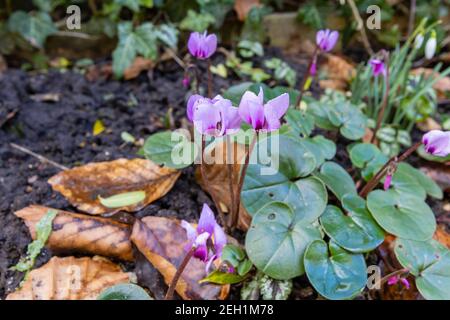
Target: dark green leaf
124, 291
219, 277
336, 179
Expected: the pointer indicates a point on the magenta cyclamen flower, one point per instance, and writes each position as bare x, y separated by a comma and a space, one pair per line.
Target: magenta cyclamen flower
378, 67
263, 116
216, 117
437, 143
395, 279
201, 45
208, 239
326, 39
387, 182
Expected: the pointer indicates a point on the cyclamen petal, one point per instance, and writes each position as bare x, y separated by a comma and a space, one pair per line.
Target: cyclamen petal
190, 106
393, 280
220, 239
206, 118
437, 143
378, 67
191, 233
326, 39
207, 222
202, 46
279, 105
405, 282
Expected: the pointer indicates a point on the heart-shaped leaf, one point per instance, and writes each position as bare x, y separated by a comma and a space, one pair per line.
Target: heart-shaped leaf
322, 148
405, 183
349, 119
429, 262
402, 215
334, 272
357, 231
277, 240
421, 179
172, 149
264, 182
336, 179
124, 291
300, 122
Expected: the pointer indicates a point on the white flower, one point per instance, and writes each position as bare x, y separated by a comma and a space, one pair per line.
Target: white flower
430, 46
418, 41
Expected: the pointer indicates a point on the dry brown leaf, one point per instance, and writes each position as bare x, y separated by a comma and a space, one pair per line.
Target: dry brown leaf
339, 72
218, 179
442, 86
73, 232
162, 241
428, 125
243, 7
83, 185
70, 278
139, 64
442, 235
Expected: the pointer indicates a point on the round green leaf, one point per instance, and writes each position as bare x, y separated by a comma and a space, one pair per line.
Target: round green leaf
429, 262
335, 273
405, 183
357, 231
336, 179
276, 241
321, 148
362, 153
172, 149
265, 183
349, 119
301, 123
402, 215
124, 291
422, 180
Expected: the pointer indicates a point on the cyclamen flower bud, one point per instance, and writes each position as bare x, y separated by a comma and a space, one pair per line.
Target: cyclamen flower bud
387, 182
430, 46
378, 67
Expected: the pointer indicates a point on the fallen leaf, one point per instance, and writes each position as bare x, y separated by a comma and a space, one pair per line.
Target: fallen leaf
217, 174
243, 7
73, 232
428, 125
442, 235
442, 86
98, 128
83, 185
70, 278
339, 72
139, 64
162, 241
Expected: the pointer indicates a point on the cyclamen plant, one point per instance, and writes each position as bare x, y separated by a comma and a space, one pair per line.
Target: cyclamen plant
291, 210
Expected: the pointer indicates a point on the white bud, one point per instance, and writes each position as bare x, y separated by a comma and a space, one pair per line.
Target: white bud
430, 47
418, 41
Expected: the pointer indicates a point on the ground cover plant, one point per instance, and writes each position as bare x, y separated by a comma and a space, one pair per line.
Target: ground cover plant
197, 159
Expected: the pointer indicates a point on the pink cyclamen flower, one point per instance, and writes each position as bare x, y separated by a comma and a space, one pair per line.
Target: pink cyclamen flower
395, 279
387, 182
208, 239
313, 69
437, 143
201, 45
263, 116
378, 67
326, 39
216, 117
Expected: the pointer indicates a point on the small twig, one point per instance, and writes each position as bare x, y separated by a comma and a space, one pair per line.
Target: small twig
384, 103
176, 58
361, 27
308, 70
234, 218
412, 17
38, 156
75, 34
392, 274
176, 277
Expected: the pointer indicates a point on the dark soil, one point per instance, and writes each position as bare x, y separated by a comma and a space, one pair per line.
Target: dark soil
62, 132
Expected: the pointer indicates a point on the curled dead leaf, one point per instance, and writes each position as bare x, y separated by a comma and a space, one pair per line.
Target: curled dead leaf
339, 72
139, 64
162, 241
70, 278
83, 185
243, 7
73, 232
218, 178
442, 235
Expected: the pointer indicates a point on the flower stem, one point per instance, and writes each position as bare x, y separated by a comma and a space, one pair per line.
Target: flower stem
385, 99
176, 277
210, 82
230, 175
372, 183
207, 184
302, 85
392, 274
235, 216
